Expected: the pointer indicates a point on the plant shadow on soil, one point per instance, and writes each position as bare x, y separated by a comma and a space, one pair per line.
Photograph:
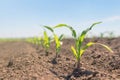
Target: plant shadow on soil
76, 73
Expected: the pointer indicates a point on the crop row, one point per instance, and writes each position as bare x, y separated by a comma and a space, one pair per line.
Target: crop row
77, 50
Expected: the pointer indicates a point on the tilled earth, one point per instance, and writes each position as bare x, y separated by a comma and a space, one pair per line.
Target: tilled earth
25, 61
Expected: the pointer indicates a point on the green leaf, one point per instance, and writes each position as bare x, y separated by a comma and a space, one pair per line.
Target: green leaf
84, 48
73, 32
105, 46
81, 52
94, 24
92, 43
83, 34
88, 45
49, 28
46, 39
45, 36
61, 37
60, 25
57, 41
74, 52
67, 26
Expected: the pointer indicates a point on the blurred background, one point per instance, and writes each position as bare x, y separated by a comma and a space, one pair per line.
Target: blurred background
25, 18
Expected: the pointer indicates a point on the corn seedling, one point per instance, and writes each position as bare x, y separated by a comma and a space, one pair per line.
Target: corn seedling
107, 34
10, 39
36, 40
101, 35
79, 49
46, 42
111, 34
30, 40
57, 40
58, 44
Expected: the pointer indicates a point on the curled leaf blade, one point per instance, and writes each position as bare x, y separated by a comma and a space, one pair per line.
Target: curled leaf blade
83, 34
46, 40
74, 52
61, 37
57, 41
94, 24
60, 25
84, 48
73, 32
81, 52
92, 43
105, 46
67, 26
49, 28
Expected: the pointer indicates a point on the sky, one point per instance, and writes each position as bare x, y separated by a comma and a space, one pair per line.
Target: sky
25, 18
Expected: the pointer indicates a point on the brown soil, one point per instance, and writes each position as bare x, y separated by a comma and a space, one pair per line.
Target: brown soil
24, 61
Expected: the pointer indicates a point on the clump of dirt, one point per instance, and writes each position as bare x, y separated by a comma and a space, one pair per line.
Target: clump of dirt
24, 61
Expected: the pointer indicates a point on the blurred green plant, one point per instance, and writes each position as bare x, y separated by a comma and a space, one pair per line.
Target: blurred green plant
34, 40
46, 42
111, 35
108, 34
10, 39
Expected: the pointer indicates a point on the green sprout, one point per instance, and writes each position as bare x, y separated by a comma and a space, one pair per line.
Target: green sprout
46, 42
101, 35
79, 49
36, 40
30, 40
58, 44
110, 35
57, 40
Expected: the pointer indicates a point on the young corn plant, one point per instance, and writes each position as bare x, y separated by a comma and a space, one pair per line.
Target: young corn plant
36, 41
111, 35
41, 42
79, 48
58, 42
101, 35
29, 40
46, 42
